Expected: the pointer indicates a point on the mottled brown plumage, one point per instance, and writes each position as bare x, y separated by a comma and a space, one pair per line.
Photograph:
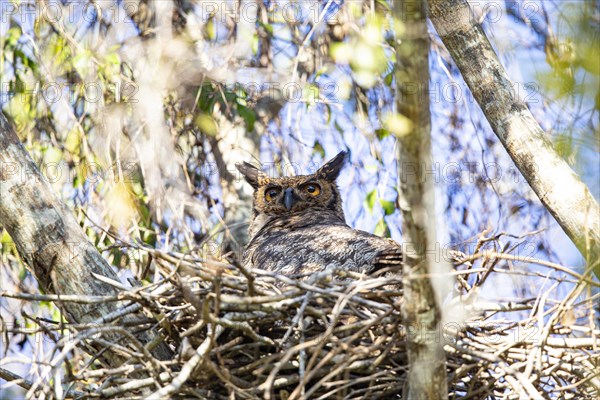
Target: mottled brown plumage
298, 226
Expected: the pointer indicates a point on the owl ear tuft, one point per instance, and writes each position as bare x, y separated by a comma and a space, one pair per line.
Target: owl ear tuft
331, 169
253, 175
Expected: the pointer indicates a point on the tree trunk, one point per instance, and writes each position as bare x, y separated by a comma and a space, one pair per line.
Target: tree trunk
51, 242
559, 189
421, 313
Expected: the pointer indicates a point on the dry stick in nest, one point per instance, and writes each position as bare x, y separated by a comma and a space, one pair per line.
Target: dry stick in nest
189, 366
318, 342
26, 384
219, 324
340, 305
532, 260
564, 359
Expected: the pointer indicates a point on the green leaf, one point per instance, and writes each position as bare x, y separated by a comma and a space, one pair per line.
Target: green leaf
383, 4
338, 127
112, 58
267, 27
321, 71
382, 229
248, 115
13, 35
382, 133
73, 141
144, 213
6, 239
318, 149
254, 44
206, 124
22, 273
398, 124
59, 52
117, 258
27, 62
388, 206
149, 237
210, 29
81, 62
371, 199
389, 78
328, 107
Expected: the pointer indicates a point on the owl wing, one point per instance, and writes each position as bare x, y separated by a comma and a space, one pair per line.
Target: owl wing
309, 246
388, 260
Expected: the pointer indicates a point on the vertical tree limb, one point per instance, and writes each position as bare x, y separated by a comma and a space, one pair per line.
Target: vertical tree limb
427, 362
559, 189
50, 240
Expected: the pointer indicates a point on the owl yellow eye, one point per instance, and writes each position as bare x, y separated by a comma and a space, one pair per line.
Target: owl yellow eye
271, 193
313, 189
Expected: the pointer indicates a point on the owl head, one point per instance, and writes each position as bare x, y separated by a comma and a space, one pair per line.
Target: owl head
294, 194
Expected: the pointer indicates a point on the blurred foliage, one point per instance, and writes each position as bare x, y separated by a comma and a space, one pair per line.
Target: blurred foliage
572, 51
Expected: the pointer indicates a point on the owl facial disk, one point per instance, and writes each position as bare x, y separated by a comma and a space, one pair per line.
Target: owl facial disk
288, 198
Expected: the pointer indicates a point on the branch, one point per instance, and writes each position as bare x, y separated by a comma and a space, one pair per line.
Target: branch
26, 384
561, 191
420, 310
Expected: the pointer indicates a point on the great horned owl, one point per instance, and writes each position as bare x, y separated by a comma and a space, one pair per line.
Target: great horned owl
298, 226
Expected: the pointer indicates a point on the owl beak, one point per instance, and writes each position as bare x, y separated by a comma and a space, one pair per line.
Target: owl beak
288, 198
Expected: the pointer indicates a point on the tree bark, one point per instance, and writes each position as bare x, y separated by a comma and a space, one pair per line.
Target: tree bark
51, 242
421, 313
559, 189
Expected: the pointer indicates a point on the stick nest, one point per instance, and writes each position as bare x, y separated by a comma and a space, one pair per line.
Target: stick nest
237, 335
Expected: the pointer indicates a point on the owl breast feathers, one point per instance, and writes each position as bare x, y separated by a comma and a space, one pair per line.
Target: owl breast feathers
298, 226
